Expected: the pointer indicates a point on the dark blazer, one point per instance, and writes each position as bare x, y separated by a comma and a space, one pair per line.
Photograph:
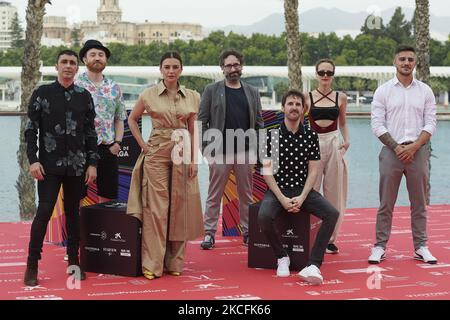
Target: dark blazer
213, 108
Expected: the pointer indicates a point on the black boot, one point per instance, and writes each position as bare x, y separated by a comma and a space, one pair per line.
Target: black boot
30, 278
73, 261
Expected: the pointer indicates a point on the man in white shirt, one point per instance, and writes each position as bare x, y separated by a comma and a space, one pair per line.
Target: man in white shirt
403, 118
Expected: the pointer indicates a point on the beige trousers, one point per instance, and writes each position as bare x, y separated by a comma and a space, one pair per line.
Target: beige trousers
218, 179
333, 176
158, 252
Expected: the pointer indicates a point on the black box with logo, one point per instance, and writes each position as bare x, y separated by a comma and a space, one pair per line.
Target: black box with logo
110, 240
298, 232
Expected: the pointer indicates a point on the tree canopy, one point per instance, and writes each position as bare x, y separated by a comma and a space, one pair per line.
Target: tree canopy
17, 40
375, 45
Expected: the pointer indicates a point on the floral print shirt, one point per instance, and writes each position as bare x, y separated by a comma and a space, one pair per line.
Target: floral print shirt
63, 121
109, 106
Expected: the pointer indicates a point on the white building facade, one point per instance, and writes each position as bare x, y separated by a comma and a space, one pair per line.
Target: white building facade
109, 27
7, 13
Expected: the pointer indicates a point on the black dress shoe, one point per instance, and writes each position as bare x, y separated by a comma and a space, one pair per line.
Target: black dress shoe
245, 240
74, 268
332, 249
208, 242
30, 278
79, 275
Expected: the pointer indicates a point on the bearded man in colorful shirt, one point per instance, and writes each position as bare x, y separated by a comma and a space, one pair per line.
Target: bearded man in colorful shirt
109, 120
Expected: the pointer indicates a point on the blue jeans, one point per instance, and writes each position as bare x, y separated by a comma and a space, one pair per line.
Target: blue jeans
314, 204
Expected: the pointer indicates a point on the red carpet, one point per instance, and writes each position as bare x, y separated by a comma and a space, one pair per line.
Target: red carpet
222, 273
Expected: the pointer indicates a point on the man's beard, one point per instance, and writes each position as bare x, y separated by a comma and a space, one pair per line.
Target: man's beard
96, 66
405, 73
235, 76
293, 115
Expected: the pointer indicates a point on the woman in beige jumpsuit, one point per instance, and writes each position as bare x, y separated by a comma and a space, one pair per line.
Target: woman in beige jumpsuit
164, 191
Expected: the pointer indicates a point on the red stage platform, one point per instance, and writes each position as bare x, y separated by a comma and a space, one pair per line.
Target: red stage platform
222, 273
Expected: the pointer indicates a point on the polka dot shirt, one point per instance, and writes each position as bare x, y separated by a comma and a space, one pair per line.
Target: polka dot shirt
294, 152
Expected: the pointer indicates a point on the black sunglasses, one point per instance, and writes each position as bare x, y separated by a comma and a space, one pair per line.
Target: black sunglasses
328, 73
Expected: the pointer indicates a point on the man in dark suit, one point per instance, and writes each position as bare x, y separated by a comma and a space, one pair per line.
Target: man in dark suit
230, 116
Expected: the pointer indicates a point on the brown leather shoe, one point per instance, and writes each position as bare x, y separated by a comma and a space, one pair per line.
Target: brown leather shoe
30, 278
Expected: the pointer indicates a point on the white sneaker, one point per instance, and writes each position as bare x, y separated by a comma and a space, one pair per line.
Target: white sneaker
424, 254
283, 267
312, 275
377, 255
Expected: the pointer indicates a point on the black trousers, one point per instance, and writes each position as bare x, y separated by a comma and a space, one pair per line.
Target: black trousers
314, 204
107, 174
48, 192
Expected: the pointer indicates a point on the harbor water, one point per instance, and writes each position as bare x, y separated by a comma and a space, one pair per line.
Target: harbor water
362, 158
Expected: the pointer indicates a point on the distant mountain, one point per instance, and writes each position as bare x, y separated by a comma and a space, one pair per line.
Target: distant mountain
332, 20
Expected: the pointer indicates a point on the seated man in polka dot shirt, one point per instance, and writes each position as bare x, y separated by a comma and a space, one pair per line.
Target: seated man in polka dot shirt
290, 170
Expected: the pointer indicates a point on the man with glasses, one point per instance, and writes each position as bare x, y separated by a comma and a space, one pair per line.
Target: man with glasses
403, 118
229, 109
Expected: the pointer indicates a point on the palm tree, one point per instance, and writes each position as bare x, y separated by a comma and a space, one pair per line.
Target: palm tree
293, 44
422, 35
25, 184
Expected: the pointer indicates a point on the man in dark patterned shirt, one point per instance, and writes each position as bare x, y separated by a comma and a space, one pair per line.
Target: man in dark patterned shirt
290, 172
61, 115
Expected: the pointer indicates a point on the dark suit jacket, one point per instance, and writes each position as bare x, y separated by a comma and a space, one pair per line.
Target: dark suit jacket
213, 108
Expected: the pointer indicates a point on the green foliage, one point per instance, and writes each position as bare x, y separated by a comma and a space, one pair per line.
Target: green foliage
447, 60
348, 57
373, 25
439, 53
342, 83
75, 37
374, 46
194, 83
11, 57
372, 85
439, 85
399, 29
17, 40
280, 88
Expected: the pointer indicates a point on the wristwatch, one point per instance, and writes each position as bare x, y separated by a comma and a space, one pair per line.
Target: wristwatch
118, 142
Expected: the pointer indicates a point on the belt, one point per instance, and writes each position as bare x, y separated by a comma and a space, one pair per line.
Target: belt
406, 143
162, 129
105, 144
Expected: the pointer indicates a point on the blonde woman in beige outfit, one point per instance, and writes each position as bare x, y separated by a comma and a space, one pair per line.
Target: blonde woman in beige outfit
164, 191
327, 117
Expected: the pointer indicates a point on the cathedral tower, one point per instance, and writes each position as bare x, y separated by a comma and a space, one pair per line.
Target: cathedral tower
109, 12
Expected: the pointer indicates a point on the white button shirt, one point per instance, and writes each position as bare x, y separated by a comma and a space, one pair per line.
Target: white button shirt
404, 112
